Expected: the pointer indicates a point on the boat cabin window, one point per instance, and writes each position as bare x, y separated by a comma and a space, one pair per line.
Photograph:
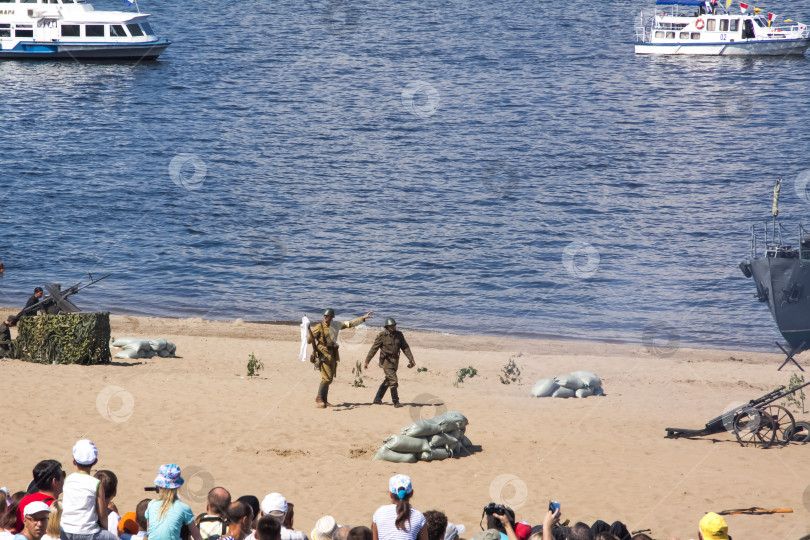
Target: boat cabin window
147, 28
724, 25
134, 30
70, 30
761, 22
735, 25
670, 35
94, 30
23, 30
117, 30
695, 35
5, 30
684, 35
711, 25
659, 34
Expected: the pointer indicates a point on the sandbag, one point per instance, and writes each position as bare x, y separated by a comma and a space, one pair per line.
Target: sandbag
163, 353
570, 381
127, 353
124, 341
451, 417
583, 392
598, 391
442, 440
466, 442
386, 454
171, 347
422, 428
544, 388
406, 444
158, 344
435, 454
563, 392
588, 378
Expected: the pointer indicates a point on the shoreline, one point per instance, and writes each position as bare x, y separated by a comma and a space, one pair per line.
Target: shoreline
661, 351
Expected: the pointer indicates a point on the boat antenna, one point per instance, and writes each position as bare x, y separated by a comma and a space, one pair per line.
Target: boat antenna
776, 188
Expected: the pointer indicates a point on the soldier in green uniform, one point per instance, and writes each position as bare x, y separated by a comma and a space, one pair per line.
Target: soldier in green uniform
6, 345
326, 336
390, 342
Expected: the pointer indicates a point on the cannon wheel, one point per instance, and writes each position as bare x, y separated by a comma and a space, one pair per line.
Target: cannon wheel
754, 427
784, 424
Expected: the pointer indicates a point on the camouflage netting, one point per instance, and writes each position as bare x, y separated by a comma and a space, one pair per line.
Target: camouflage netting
78, 338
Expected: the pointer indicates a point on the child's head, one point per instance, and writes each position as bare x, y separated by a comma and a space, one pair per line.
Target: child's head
109, 483
140, 513
85, 454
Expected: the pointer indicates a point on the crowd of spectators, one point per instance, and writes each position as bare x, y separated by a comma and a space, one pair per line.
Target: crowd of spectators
87, 511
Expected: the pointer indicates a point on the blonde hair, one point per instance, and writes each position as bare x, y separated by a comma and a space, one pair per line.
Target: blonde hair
166, 497
54, 520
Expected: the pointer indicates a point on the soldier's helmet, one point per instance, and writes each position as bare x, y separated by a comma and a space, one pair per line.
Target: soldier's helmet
390, 322
329, 312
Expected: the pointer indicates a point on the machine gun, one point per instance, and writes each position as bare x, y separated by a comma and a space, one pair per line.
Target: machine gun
57, 300
757, 423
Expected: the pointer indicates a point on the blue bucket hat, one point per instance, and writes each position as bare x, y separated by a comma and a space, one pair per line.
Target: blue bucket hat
169, 477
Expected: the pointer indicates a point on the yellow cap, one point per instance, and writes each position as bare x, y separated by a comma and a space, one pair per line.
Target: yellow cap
713, 527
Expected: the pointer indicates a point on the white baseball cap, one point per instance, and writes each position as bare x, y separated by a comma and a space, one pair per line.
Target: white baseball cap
274, 502
85, 452
35, 507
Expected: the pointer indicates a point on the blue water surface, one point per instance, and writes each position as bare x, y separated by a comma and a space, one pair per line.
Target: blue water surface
467, 166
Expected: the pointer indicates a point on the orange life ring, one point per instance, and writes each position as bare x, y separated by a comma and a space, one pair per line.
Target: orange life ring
699, 24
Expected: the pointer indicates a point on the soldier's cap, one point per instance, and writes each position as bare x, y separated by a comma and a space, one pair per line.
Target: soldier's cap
12, 319
37, 289
329, 312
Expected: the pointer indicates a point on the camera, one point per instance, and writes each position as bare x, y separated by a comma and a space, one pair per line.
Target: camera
493, 508
553, 506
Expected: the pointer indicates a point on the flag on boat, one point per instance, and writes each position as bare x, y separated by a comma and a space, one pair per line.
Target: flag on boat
728, 3
788, 20
743, 7
129, 2
770, 18
757, 10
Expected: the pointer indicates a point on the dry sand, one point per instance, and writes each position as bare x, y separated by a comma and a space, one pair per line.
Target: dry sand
602, 457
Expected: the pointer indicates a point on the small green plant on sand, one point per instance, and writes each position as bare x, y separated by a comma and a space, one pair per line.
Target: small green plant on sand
796, 399
421, 369
254, 366
510, 372
358, 375
463, 373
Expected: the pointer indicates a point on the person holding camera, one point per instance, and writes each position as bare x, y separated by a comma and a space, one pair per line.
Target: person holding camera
500, 519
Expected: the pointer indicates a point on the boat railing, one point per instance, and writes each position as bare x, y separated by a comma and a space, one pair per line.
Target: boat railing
644, 29
801, 29
770, 232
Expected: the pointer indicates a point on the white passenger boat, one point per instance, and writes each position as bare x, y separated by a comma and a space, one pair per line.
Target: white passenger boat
72, 29
700, 27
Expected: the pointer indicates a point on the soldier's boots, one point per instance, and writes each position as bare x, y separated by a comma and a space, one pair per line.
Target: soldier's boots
380, 393
320, 403
395, 397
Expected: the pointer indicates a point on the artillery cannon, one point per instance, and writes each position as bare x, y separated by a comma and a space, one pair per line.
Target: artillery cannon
57, 300
756, 423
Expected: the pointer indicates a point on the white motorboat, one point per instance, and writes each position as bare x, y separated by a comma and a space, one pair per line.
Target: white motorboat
72, 29
706, 28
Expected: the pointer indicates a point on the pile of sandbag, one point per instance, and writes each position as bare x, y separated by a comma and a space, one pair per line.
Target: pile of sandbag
579, 384
431, 439
144, 348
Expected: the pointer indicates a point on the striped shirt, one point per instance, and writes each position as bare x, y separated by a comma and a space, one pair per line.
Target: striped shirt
385, 518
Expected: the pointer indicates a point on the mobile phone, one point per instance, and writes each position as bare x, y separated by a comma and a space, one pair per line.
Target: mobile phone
553, 506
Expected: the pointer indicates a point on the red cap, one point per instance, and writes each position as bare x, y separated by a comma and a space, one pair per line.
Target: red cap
523, 530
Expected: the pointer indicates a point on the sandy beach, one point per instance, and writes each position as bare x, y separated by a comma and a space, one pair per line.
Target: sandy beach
602, 457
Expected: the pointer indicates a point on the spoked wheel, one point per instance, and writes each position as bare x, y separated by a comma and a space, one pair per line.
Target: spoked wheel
801, 433
783, 423
754, 427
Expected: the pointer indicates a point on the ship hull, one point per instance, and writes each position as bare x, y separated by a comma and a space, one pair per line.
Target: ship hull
97, 51
784, 283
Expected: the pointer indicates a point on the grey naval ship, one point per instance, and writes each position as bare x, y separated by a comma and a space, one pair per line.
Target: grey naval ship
781, 272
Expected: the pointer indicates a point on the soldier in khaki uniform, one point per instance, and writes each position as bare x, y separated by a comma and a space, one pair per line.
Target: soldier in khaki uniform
326, 336
389, 342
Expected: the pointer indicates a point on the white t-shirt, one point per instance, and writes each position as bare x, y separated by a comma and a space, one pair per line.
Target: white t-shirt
79, 504
385, 518
112, 522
